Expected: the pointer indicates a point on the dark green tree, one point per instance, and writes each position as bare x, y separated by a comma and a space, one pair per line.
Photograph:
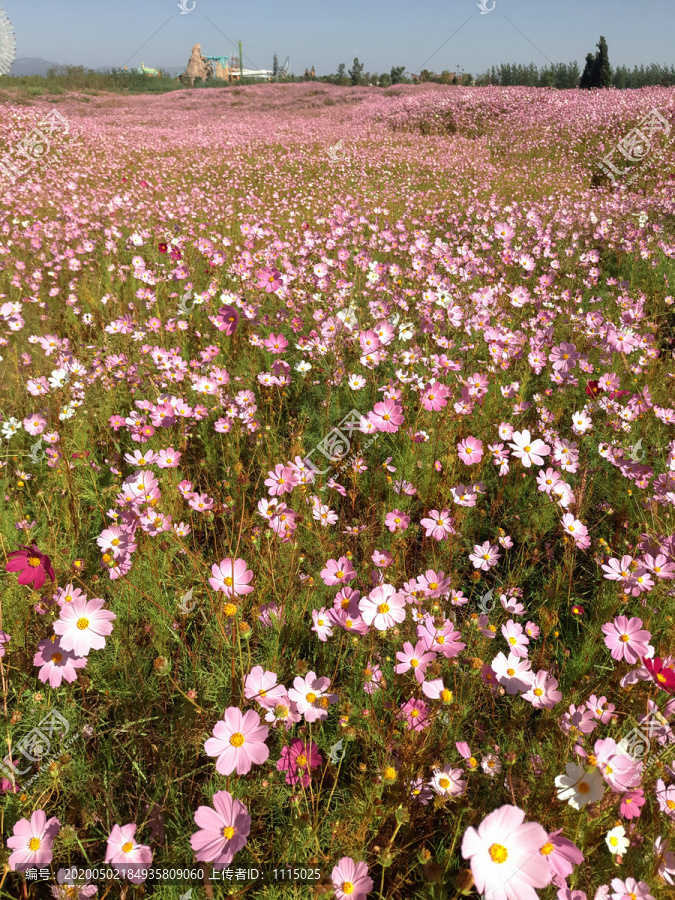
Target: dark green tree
356, 71
385, 79
397, 73
602, 71
587, 76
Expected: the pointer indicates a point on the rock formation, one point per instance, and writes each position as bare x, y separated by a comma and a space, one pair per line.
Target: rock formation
197, 67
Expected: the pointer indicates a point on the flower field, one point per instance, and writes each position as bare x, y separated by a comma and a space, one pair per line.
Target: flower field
337, 498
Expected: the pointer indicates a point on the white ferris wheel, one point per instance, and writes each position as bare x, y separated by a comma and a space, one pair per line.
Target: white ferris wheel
7, 43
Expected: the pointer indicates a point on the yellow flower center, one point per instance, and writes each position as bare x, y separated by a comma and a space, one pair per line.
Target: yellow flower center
444, 783
390, 773
527, 449
128, 847
415, 713
473, 762
439, 521
115, 542
228, 832
228, 581
583, 788
414, 663
301, 759
670, 804
498, 853
512, 640
230, 609
237, 739
433, 585
34, 561
625, 638
614, 841
347, 887
34, 844
82, 623
511, 672
537, 692
547, 849
311, 698
280, 711
339, 574
383, 608
446, 695
57, 657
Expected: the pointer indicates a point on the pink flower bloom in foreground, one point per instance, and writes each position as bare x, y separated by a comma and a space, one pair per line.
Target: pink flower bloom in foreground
32, 565
123, 849
416, 714
563, 855
270, 279
281, 481
632, 803
417, 658
626, 639
351, 880
223, 830
505, 858
309, 694
338, 572
32, 841
527, 450
470, 450
435, 396
387, 416
83, 625
383, 607
438, 525
396, 521
297, 761
227, 319
275, 343
232, 577
485, 556
630, 889
4, 639
238, 741
57, 663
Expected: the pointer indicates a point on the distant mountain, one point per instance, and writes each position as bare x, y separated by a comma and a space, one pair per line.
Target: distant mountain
27, 65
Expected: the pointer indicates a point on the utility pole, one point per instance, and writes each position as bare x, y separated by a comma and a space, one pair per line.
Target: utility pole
241, 64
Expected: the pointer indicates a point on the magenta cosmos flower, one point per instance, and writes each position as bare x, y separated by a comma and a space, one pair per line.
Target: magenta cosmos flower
227, 319
83, 625
232, 577
297, 761
270, 279
505, 858
662, 675
224, 830
32, 841
4, 639
435, 396
626, 639
238, 741
351, 880
383, 607
470, 450
32, 565
56, 663
122, 848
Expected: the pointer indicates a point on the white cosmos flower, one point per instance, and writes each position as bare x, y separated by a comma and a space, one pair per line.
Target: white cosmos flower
617, 841
579, 787
303, 366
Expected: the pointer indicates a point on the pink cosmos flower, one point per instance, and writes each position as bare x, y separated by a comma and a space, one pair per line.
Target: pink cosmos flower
168, 459
542, 693
33, 566
448, 781
57, 663
383, 607
84, 626
123, 849
351, 880
527, 450
630, 889
443, 639
626, 639
438, 525
513, 672
620, 771
227, 319
4, 639
224, 830
485, 556
435, 397
396, 521
311, 697
632, 803
232, 577
470, 450
69, 889
270, 279
417, 658
661, 674
262, 686
575, 528
513, 632
387, 416
275, 343
338, 572
281, 481
505, 858
415, 712
238, 741
322, 622
32, 841
665, 796
297, 761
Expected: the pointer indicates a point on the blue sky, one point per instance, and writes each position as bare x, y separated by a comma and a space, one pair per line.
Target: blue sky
381, 33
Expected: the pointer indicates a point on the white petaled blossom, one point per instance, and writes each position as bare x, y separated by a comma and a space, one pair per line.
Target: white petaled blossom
10, 427
617, 841
579, 787
303, 366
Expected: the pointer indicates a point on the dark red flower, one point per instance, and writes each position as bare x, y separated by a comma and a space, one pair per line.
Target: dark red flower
32, 565
175, 254
662, 675
162, 248
577, 610
592, 388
